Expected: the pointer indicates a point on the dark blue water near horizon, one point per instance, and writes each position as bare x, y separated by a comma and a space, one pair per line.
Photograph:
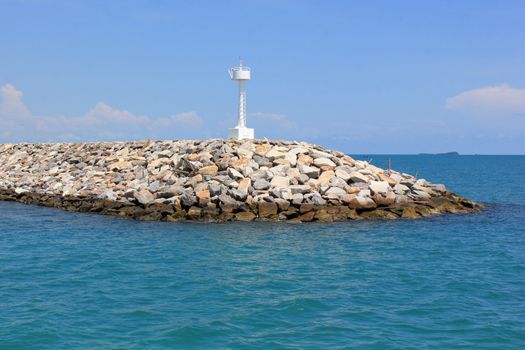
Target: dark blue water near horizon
83, 281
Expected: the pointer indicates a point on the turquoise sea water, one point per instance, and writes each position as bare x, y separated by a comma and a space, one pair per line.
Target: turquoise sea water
81, 281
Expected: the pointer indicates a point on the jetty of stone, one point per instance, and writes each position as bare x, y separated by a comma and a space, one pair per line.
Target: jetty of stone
216, 180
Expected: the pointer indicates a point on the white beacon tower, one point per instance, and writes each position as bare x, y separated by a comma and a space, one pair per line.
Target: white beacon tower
241, 74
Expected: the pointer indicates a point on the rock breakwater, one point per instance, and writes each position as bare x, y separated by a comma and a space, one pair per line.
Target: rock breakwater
216, 180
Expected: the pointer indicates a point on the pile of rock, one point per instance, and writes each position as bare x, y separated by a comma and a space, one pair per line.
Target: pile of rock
216, 180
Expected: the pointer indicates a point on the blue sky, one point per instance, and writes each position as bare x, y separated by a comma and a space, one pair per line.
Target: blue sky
361, 77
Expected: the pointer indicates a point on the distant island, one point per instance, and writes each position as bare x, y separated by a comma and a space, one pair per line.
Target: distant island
440, 154
216, 180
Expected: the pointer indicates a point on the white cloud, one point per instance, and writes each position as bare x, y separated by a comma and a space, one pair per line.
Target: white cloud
11, 103
102, 114
189, 120
494, 100
102, 122
273, 120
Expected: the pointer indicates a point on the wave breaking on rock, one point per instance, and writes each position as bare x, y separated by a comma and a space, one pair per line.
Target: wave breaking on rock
216, 180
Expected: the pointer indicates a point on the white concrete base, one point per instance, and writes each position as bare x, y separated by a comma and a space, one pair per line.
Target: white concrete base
240, 133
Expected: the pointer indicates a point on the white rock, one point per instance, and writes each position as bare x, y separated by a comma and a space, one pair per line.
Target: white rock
247, 171
274, 154
337, 191
234, 174
358, 177
293, 173
144, 196
419, 195
321, 154
317, 199
363, 202
291, 158
310, 171
285, 193
280, 181
422, 182
342, 174
261, 184
326, 177
297, 198
279, 169
19, 190
379, 187
401, 189
438, 187
109, 195
364, 193
396, 177
337, 182
323, 162
244, 153
298, 150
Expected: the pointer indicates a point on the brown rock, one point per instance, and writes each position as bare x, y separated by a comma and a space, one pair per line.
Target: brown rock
323, 215
387, 200
306, 217
283, 204
388, 179
306, 207
324, 178
224, 216
305, 159
244, 184
120, 165
347, 198
326, 168
409, 213
347, 160
240, 163
245, 216
144, 196
359, 202
193, 181
262, 149
203, 197
267, 210
379, 214
193, 157
209, 170
281, 161
352, 189
291, 212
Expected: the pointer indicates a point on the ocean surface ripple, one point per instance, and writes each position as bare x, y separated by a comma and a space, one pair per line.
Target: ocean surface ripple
83, 281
